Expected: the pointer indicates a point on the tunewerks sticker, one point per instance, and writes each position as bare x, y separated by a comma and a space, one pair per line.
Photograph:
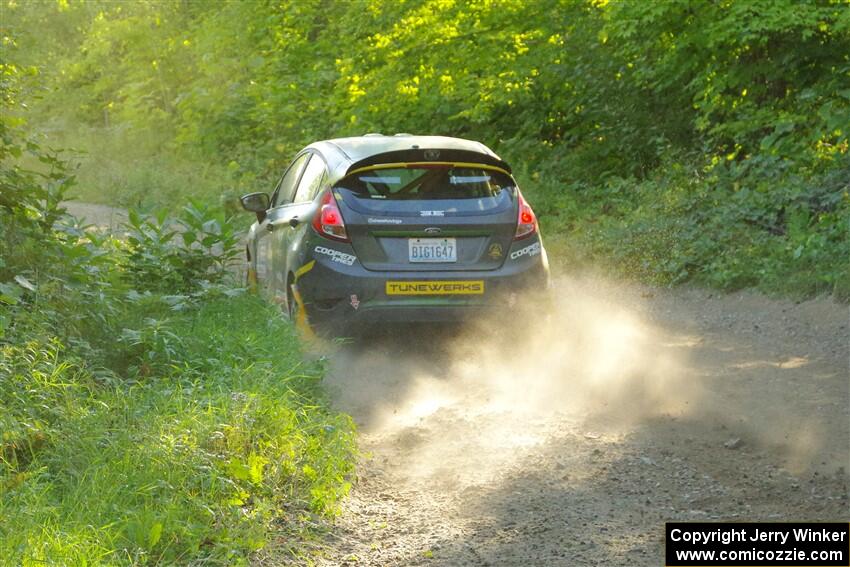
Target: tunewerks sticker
456, 287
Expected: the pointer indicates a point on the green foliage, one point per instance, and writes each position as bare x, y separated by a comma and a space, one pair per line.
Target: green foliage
762, 77
150, 411
133, 168
204, 459
756, 222
636, 127
173, 424
197, 248
669, 141
29, 196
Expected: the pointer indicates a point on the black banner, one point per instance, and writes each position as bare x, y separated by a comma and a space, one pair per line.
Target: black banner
806, 544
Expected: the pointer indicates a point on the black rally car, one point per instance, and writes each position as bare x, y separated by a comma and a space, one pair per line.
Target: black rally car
394, 229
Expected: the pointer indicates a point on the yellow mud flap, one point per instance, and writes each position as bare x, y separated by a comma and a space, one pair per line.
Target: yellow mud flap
301, 322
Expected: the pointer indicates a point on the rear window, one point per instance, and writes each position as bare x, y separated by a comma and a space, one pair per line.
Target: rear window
426, 184
468, 188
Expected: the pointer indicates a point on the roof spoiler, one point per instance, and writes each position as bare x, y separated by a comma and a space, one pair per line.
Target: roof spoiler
429, 154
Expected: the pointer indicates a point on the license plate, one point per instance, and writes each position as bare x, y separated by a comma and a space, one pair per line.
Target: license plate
435, 287
432, 249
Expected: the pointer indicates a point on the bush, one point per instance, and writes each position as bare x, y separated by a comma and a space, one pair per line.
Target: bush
177, 255
758, 223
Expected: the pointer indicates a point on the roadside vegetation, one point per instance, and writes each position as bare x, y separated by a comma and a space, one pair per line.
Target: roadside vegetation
669, 141
151, 412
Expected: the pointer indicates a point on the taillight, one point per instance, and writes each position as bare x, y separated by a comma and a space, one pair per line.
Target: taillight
328, 219
526, 223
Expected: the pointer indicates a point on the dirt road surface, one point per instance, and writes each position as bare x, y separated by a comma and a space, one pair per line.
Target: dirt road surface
102, 216
570, 440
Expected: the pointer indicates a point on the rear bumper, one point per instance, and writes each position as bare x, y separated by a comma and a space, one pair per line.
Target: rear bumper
339, 296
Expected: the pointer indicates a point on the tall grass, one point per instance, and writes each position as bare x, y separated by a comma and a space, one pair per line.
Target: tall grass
211, 449
134, 168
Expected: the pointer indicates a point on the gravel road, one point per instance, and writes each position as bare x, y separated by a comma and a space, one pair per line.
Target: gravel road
572, 440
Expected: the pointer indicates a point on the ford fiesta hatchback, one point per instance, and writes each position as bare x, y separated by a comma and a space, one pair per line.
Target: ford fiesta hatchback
400, 228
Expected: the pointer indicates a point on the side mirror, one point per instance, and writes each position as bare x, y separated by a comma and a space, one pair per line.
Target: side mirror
256, 203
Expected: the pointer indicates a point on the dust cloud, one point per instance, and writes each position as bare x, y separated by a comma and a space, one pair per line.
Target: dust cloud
462, 406
566, 432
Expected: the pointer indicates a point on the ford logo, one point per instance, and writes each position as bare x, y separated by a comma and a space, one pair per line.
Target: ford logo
432, 230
